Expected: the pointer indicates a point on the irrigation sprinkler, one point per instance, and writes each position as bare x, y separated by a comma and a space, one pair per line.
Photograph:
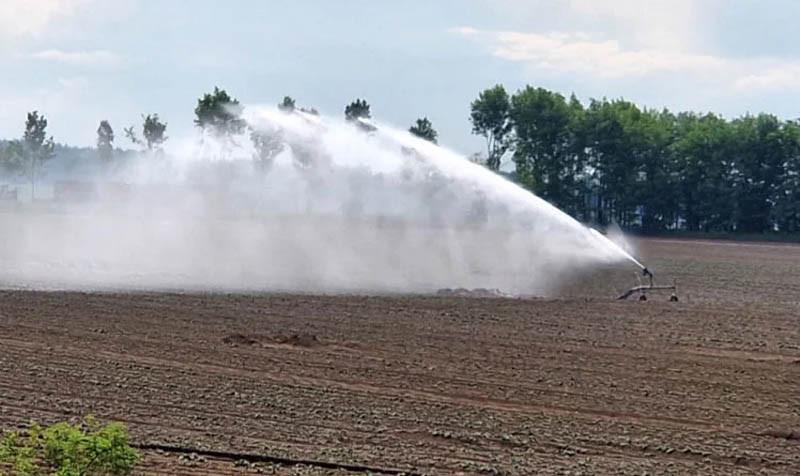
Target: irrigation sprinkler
643, 289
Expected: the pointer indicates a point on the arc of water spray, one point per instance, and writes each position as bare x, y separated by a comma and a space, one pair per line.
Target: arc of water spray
303, 128
607, 242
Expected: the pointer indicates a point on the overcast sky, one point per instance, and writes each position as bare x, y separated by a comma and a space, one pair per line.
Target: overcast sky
80, 61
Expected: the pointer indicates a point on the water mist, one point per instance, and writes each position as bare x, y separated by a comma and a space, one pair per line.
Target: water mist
342, 207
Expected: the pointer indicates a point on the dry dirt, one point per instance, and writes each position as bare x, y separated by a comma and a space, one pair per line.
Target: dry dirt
294, 384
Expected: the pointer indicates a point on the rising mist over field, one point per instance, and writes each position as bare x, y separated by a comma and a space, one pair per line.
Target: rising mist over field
338, 207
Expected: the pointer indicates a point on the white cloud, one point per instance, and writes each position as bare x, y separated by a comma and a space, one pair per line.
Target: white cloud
579, 54
576, 53
96, 57
31, 17
784, 77
632, 39
672, 25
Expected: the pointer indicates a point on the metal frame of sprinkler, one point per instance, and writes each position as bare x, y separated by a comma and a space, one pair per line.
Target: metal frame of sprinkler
642, 289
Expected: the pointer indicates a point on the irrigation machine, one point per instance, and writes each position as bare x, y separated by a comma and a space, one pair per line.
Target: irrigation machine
644, 288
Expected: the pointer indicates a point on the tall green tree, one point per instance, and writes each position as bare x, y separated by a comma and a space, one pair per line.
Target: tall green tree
615, 152
37, 147
704, 148
628, 153
546, 157
657, 170
424, 130
760, 163
219, 114
153, 133
613, 161
786, 195
358, 109
490, 117
105, 141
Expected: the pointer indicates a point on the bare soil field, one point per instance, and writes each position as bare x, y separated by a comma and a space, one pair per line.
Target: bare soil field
301, 384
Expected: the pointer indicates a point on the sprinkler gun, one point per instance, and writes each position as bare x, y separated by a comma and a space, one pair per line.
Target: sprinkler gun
646, 272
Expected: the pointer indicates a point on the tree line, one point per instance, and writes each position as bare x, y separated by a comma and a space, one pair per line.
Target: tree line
608, 161
217, 115
645, 169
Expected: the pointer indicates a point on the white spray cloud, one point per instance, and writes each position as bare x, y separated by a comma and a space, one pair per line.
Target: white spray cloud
342, 208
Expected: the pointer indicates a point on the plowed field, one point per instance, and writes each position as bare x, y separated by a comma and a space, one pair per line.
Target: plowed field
301, 384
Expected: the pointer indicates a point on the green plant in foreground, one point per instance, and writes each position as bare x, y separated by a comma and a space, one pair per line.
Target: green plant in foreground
63, 449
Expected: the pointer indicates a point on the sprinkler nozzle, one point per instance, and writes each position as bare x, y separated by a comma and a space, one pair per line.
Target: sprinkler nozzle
648, 273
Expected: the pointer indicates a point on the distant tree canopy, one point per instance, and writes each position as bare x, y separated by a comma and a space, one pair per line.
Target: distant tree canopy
105, 141
358, 109
287, 105
28, 155
424, 130
547, 156
37, 148
612, 161
603, 161
490, 117
219, 114
153, 131
12, 156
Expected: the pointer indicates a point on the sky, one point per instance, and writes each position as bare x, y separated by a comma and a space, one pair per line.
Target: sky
81, 61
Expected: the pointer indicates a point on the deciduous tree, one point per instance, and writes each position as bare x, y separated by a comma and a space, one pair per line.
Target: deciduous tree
219, 114
105, 141
37, 147
490, 117
358, 109
424, 130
